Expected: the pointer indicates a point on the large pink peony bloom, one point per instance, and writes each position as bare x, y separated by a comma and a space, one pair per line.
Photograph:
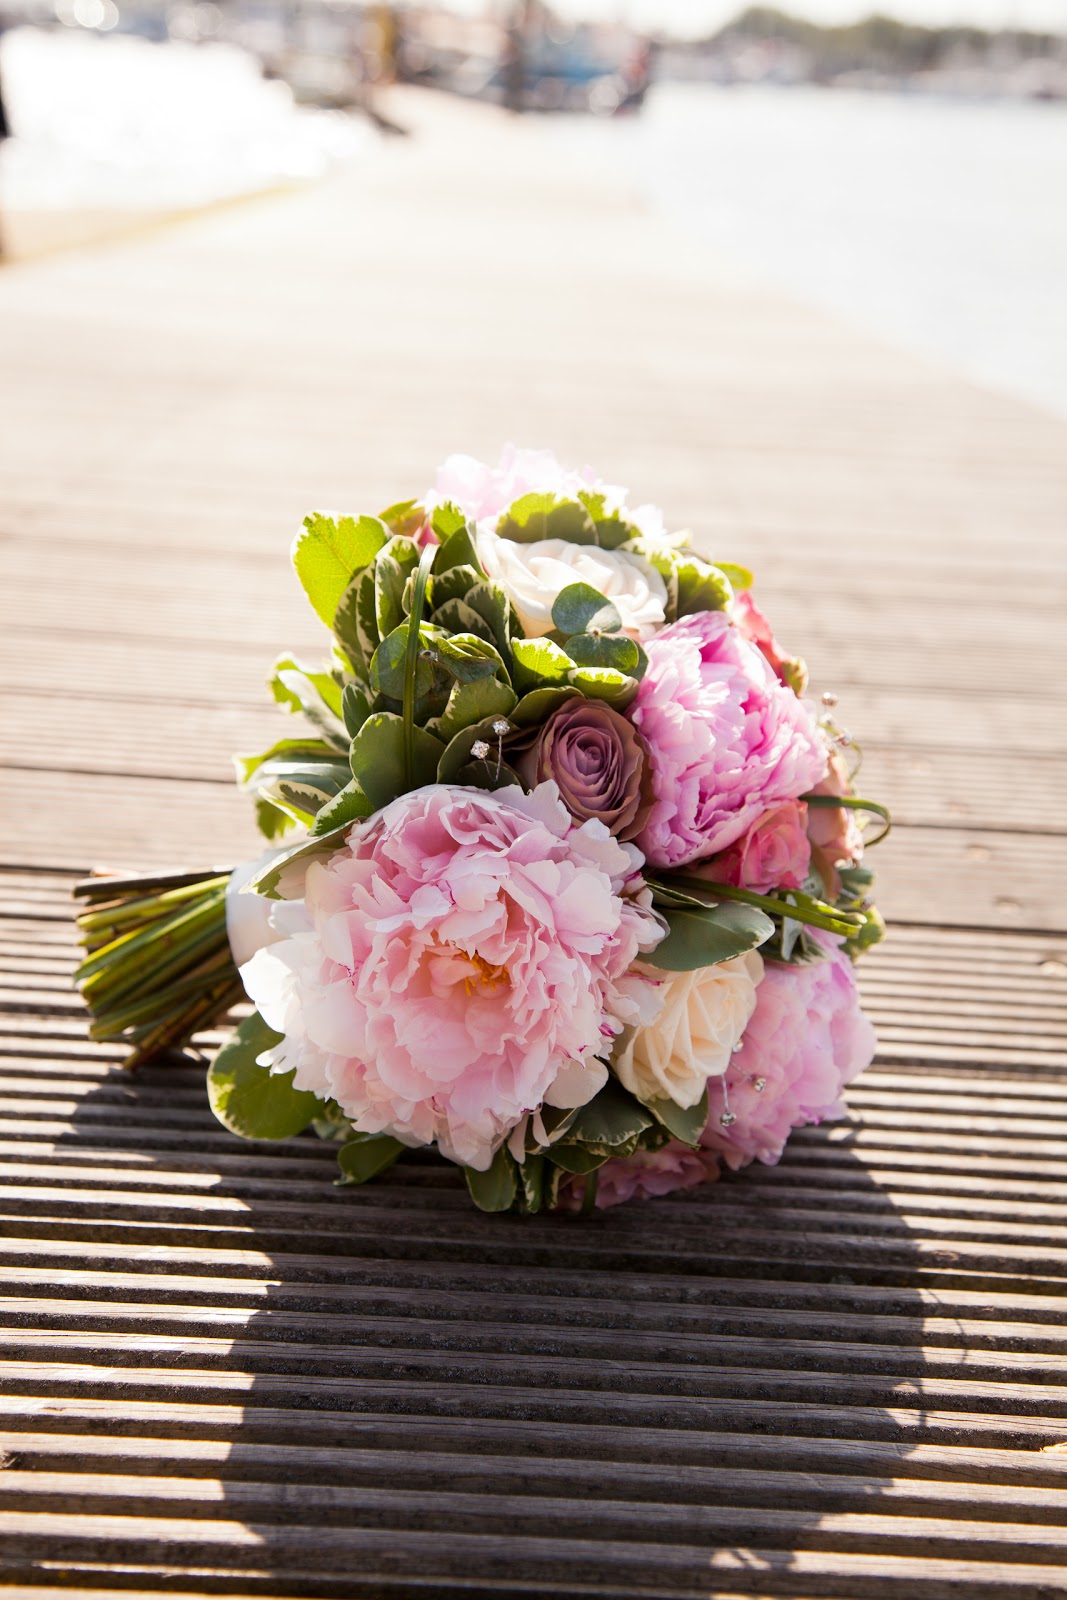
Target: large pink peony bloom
806, 1040
727, 741
464, 958
644, 1174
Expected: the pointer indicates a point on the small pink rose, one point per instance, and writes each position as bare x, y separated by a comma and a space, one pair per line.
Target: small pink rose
773, 854
833, 830
754, 626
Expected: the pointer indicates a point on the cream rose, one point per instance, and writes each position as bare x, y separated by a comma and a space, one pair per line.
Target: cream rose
704, 1016
534, 574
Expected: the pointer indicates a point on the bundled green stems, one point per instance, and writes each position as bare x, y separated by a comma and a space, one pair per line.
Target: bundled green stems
158, 965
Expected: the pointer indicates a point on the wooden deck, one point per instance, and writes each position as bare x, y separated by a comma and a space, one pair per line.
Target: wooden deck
220, 1375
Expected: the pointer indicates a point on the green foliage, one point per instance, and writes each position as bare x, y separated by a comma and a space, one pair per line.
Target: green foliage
544, 516
377, 758
327, 552
349, 805
316, 694
496, 1189
611, 650
539, 663
365, 1155
248, 1098
392, 568
704, 936
701, 587
579, 608
684, 1123
610, 1125
485, 699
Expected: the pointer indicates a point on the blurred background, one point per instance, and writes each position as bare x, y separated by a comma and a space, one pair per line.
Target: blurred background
906, 171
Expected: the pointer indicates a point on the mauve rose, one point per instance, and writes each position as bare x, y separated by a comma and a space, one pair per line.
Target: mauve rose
773, 854
599, 762
789, 670
833, 831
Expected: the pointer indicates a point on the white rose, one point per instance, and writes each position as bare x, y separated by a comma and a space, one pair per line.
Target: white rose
533, 575
703, 1017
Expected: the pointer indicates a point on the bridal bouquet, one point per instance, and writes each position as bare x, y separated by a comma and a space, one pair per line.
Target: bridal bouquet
578, 881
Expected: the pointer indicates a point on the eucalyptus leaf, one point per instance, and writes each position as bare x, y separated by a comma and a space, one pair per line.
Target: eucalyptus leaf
579, 608
706, 936
366, 1155
250, 1099
328, 551
377, 758
496, 1189
612, 650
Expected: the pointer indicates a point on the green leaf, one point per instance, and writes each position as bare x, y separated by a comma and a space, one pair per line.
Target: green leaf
535, 707
389, 665
611, 1121
612, 527
604, 683
532, 1179
327, 552
579, 608
249, 1099
349, 805
686, 1124
406, 518
706, 936
475, 702
367, 1154
496, 1189
447, 520
539, 662
377, 758
612, 650
701, 587
467, 657
578, 1158
456, 616
271, 820
457, 754
299, 750
458, 550
739, 578
490, 602
316, 694
269, 877
453, 584
355, 708
543, 516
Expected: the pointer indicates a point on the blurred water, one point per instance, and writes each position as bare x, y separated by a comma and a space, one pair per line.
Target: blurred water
120, 124
939, 224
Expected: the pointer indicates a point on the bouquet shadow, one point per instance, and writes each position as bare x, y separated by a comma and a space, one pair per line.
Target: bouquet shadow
380, 1390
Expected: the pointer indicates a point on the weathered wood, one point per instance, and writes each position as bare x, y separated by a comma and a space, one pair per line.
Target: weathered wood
842, 1376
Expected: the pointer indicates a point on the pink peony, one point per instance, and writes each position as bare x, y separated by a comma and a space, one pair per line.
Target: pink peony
644, 1174
462, 959
727, 741
773, 854
789, 670
833, 831
806, 1040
